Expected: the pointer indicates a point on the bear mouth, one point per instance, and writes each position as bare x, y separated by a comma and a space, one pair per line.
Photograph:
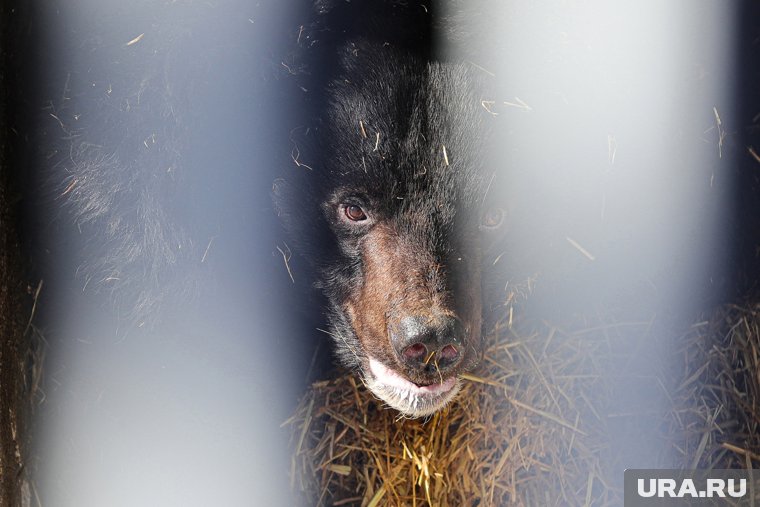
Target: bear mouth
410, 399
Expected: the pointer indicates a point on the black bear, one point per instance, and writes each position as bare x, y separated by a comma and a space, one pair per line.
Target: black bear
392, 208
392, 203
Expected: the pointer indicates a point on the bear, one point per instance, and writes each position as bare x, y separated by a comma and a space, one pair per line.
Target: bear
394, 214
390, 204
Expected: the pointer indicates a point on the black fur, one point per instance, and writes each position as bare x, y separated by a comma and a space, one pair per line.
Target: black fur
403, 137
417, 108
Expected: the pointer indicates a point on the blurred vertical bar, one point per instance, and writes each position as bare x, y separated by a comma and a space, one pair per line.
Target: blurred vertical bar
186, 411
617, 136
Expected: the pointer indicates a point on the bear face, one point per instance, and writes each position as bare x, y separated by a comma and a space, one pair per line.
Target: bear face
394, 220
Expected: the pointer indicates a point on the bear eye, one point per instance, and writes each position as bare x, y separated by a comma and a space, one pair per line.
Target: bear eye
492, 218
354, 213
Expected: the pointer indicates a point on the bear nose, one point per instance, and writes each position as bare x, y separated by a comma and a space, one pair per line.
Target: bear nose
429, 345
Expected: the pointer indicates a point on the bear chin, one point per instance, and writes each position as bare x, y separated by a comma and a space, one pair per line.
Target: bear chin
409, 399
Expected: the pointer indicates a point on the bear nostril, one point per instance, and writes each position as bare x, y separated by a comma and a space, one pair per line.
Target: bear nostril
425, 344
449, 352
415, 352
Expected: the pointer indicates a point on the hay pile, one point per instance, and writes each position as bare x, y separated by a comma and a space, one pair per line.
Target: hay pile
715, 419
528, 429
544, 419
